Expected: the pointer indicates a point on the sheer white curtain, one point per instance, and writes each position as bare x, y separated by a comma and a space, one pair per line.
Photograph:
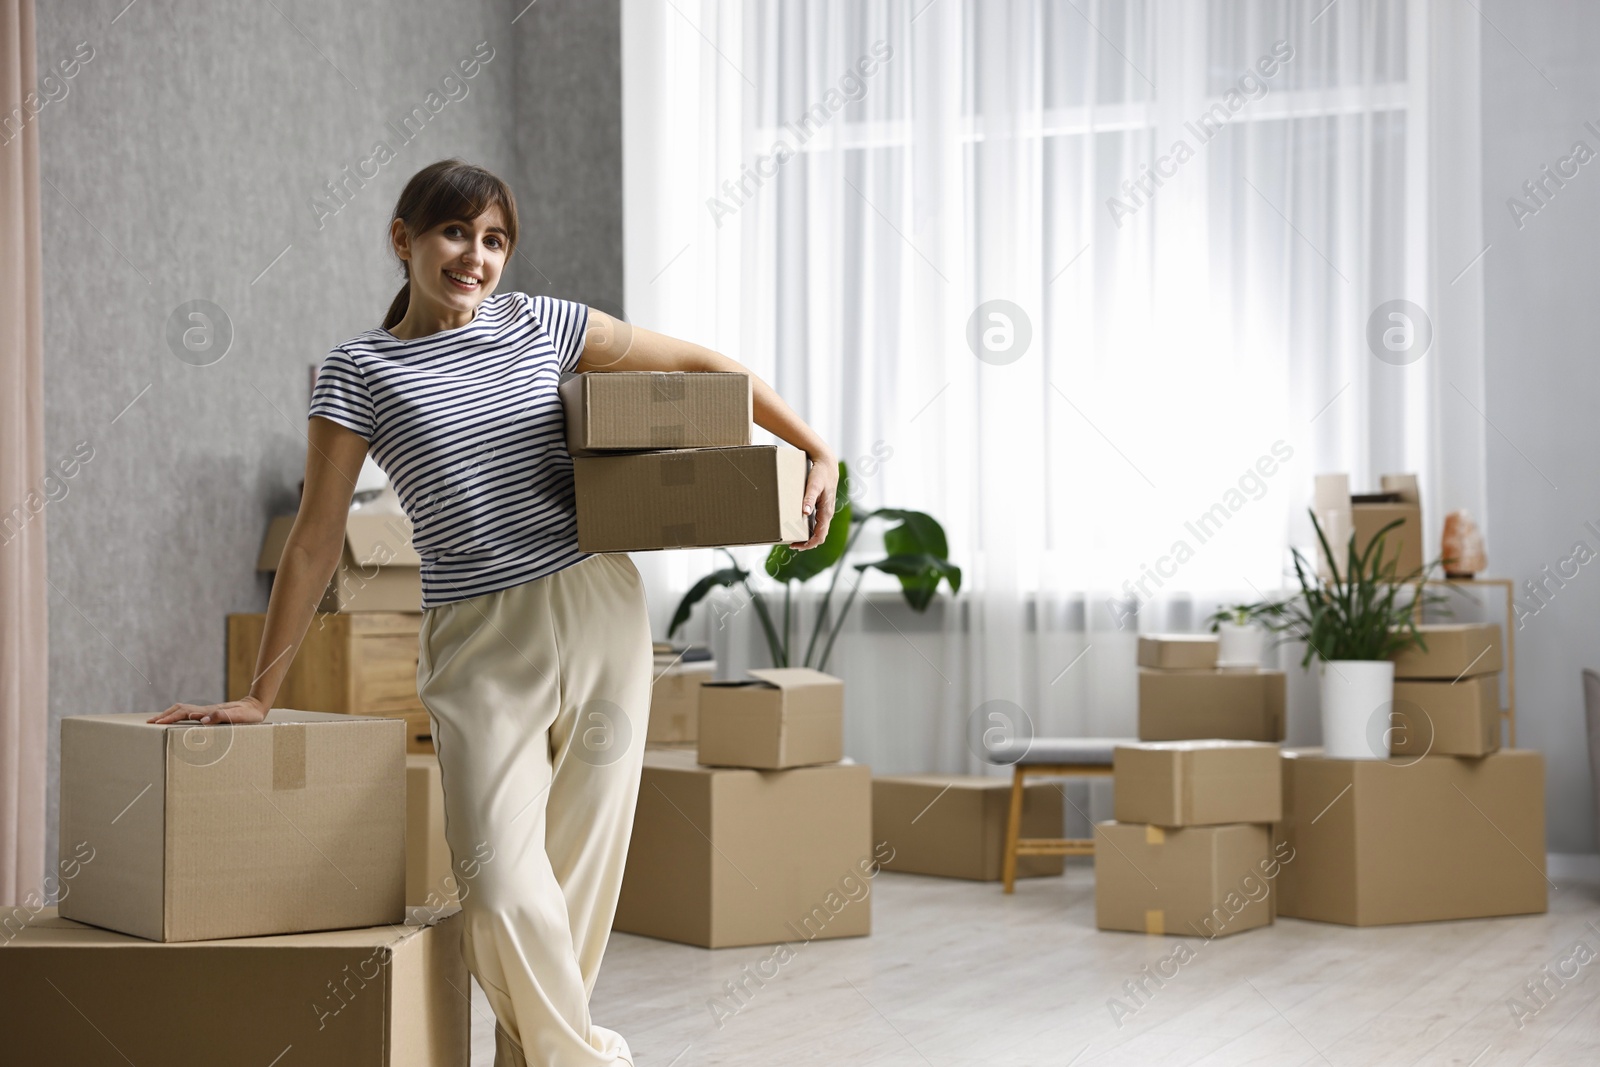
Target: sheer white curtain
849, 197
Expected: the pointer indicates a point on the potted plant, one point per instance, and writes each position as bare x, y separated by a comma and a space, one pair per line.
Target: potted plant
916, 550
1353, 623
1240, 641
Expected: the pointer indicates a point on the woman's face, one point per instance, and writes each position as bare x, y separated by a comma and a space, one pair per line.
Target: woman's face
455, 265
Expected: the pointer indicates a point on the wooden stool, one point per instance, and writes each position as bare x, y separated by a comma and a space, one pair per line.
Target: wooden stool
1050, 756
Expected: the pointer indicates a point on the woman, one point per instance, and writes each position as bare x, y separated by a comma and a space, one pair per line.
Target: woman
534, 658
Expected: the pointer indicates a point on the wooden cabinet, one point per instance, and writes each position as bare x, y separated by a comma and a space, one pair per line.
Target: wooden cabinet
357, 663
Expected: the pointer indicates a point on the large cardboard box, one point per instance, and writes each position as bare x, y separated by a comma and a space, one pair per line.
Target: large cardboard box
954, 826
385, 995
722, 856
1178, 651
654, 410
1198, 881
359, 663
1413, 840
1446, 718
378, 569
1228, 704
1455, 650
1197, 783
197, 832
430, 874
689, 498
1341, 515
675, 699
778, 717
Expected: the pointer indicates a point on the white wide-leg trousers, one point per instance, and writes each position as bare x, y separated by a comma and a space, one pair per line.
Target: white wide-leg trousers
539, 696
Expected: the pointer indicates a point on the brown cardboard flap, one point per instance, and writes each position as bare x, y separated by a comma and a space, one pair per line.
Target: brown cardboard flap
794, 677
382, 540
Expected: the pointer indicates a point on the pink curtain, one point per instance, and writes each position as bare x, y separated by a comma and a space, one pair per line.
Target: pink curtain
24, 625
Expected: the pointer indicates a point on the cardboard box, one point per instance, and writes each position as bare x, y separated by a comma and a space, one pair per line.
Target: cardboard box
1406, 840
1455, 650
722, 856
691, 498
656, 410
197, 832
1341, 516
1197, 783
419, 730
386, 995
430, 874
1178, 651
1228, 704
360, 663
954, 825
378, 569
1198, 881
1446, 718
778, 717
675, 699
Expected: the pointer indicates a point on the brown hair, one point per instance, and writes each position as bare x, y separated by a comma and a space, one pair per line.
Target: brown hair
448, 189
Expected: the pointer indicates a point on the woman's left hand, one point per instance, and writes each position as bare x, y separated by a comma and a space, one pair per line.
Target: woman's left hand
822, 486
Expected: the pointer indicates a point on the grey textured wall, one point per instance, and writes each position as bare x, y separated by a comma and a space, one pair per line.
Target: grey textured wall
1543, 380
183, 163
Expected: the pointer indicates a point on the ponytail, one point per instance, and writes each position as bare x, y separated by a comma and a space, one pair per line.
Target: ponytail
397, 308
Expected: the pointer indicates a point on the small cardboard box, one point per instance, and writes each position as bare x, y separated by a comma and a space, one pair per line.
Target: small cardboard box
1228, 704
197, 832
430, 875
1178, 651
378, 569
1408, 840
361, 662
778, 717
675, 699
655, 410
1455, 650
691, 498
722, 856
1340, 516
1197, 783
954, 826
385, 995
1198, 881
1446, 718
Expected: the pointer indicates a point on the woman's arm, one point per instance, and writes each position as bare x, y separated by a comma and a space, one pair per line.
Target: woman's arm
614, 345
311, 552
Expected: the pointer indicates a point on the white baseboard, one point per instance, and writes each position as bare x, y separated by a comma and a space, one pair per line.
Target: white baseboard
1585, 865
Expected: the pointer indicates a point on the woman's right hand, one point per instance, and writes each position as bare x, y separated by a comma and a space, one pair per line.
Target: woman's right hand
248, 710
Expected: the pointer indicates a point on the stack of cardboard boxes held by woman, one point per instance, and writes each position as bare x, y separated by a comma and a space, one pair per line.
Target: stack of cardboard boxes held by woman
234, 894
751, 827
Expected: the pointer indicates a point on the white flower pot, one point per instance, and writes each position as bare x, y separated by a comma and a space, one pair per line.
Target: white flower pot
1357, 696
1239, 647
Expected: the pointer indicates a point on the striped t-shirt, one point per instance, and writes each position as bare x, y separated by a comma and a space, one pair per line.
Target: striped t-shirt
467, 424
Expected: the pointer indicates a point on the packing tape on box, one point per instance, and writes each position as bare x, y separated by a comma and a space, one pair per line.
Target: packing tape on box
668, 386
1155, 835
289, 755
668, 436
676, 470
1155, 922
681, 534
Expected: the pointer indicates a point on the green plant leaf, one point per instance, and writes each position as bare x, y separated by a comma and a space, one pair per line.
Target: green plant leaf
919, 574
698, 591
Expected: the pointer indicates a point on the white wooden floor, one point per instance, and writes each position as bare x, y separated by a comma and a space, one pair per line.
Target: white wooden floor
957, 974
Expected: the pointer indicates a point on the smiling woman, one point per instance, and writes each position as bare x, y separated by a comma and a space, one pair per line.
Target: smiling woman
534, 658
